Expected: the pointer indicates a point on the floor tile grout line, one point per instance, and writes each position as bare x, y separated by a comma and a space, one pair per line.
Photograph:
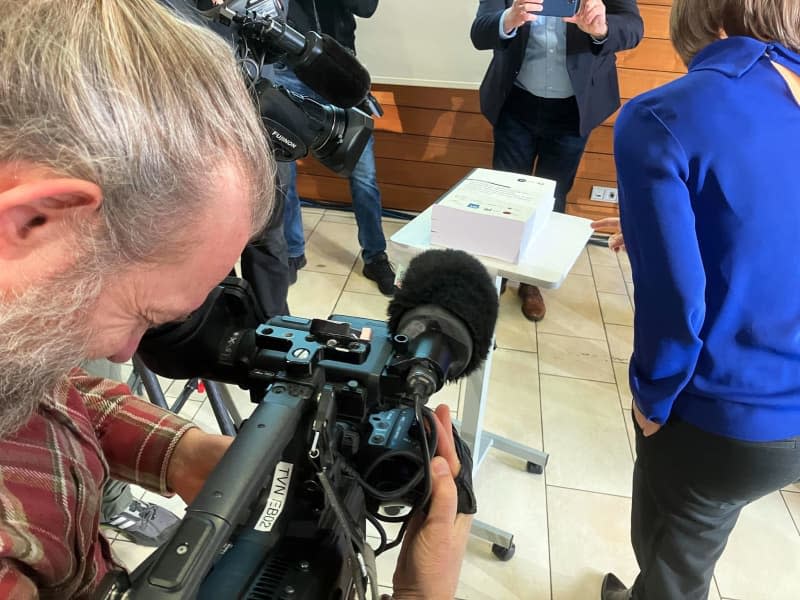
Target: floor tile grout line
581, 337
791, 515
379, 295
313, 229
499, 347
610, 354
580, 379
572, 337
573, 489
715, 584
341, 292
544, 468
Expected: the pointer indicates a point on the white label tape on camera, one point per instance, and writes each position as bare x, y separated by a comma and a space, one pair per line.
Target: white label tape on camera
281, 480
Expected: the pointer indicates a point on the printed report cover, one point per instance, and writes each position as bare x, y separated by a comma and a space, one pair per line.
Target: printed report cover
493, 213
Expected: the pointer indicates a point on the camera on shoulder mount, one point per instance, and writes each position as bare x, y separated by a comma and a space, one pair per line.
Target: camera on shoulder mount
335, 133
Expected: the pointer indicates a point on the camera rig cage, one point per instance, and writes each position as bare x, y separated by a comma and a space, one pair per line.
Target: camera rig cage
340, 437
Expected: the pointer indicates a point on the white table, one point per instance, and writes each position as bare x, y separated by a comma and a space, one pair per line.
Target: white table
545, 263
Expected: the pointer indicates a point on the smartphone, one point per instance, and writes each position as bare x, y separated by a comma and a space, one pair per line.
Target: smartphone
559, 8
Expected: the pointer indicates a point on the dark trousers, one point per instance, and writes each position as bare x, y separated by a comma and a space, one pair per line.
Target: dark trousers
689, 487
265, 260
540, 136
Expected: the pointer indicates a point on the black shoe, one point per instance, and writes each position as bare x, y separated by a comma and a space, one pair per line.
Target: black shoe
613, 589
381, 272
296, 263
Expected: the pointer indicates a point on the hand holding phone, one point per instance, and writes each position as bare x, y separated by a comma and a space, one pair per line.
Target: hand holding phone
591, 18
521, 12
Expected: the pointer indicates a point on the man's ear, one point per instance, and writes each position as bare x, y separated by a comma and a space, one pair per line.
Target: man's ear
35, 212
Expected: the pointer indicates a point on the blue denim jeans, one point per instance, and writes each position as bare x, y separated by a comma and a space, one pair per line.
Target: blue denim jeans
364, 192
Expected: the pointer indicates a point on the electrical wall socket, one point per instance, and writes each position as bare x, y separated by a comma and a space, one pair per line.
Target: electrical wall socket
604, 194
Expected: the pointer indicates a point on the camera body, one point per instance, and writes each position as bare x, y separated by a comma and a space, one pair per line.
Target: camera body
274, 9
338, 438
336, 133
360, 427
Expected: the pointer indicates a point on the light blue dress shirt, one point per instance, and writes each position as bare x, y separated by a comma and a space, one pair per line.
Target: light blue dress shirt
544, 69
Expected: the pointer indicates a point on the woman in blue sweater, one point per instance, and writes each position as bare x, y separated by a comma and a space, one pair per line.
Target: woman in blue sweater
708, 172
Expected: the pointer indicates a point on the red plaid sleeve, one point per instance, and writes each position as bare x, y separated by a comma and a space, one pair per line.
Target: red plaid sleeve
13, 584
137, 438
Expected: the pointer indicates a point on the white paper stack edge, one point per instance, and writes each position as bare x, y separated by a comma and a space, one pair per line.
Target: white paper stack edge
493, 213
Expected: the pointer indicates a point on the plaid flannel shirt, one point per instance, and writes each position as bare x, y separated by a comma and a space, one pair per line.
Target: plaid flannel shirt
52, 473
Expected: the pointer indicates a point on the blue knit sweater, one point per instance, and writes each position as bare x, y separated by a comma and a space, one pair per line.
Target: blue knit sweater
709, 191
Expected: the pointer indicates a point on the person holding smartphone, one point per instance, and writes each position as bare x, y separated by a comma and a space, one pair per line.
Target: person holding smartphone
551, 81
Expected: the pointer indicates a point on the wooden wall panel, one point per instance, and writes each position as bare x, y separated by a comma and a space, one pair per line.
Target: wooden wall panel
335, 189
601, 140
652, 55
431, 137
597, 166
404, 172
656, 21
435, 123
436, 98
447, 151
633, 82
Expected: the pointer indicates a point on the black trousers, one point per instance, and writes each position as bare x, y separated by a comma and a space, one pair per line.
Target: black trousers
265, 260
541, 134
689, 487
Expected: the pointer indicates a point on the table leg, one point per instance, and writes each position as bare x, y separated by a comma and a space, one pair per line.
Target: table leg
476, 395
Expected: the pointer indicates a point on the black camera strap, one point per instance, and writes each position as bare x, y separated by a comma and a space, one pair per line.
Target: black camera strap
361, 559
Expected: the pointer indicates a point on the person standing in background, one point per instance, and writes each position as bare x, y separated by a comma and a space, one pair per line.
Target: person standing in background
265, 261
337, 19
551, 82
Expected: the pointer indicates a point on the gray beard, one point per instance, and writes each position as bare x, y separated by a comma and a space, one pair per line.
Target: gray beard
43, 334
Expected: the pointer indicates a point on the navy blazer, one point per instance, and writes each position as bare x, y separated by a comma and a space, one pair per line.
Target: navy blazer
592, 67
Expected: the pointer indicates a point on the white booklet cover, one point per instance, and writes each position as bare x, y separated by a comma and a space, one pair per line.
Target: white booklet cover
493, 213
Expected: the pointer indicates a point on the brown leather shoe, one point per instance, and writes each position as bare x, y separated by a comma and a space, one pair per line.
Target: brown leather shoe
532, 302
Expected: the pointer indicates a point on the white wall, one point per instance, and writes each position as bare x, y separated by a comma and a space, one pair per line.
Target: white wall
422, 42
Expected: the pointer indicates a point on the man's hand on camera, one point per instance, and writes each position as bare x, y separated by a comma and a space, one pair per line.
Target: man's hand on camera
195, 456
520, 13
434, 545
591, 19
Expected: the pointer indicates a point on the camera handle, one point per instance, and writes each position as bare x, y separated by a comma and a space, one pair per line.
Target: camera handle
226, 498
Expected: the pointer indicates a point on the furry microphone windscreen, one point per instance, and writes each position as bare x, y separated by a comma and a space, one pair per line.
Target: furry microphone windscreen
336, 75
457, 282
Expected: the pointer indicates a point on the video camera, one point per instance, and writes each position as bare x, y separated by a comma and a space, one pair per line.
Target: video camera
336, 133
340, 436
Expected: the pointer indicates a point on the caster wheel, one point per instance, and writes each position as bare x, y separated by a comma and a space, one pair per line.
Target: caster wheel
532, 467
503, 553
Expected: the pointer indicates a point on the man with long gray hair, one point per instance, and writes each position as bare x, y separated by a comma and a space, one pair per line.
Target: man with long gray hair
112, 154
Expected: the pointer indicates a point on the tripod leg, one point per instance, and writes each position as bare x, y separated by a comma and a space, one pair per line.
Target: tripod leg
185, 394
150, 382
227, 401
218, 406
135, 383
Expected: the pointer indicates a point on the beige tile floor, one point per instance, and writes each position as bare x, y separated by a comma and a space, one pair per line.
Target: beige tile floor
560, 386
